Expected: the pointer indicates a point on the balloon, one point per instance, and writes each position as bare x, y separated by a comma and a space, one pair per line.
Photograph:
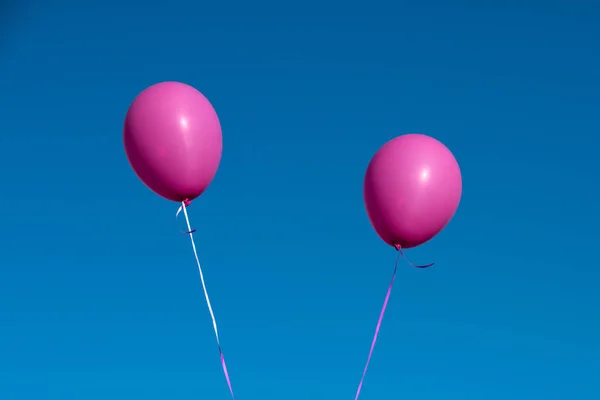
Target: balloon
173, 140
412, 189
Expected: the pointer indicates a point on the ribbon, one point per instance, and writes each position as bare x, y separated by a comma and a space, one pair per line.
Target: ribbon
397, 246
190, 231
184, 204
382, 313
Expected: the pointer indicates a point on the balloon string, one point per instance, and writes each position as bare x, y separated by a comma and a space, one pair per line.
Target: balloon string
397, 246
183, 208
184, 204
385, 303
377, 328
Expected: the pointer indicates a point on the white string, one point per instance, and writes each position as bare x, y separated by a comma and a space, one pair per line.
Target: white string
212, 314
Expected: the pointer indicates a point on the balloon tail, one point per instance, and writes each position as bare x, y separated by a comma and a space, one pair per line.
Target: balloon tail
399, 248
184, 204
377, 328
183, 208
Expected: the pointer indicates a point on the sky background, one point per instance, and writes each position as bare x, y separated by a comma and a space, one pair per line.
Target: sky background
99, 292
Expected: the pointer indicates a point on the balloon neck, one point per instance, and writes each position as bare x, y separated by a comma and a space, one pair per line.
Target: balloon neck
187, 202
397, 247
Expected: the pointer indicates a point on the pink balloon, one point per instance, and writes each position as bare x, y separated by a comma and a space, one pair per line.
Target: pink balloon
173, 140
412, 189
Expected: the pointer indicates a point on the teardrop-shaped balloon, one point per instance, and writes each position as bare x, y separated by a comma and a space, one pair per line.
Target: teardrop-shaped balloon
412, 189
173, 140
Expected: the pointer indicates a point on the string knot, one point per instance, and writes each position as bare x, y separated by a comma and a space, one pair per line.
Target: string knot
401, 253
185, 204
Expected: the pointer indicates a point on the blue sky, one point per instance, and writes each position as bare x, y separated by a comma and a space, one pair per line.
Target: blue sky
99, 295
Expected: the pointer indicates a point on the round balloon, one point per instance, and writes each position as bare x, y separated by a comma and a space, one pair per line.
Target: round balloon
411, 190
173, 140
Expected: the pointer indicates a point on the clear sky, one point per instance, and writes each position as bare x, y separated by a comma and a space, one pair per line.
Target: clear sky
99, 293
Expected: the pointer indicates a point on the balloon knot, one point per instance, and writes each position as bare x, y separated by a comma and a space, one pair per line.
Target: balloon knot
397, 247
187, 202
